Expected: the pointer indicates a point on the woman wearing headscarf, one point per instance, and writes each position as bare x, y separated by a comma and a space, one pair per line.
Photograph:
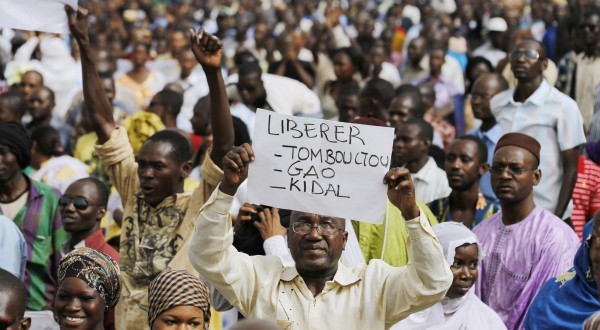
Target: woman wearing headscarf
89, 288
461, 308
178, 298
566, 301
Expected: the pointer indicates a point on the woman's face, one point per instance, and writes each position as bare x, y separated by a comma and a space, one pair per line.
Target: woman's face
478, 70
343, 67
180, 317
78, 306
140, 55
464, 270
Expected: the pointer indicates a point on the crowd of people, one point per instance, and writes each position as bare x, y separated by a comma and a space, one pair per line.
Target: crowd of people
125, 147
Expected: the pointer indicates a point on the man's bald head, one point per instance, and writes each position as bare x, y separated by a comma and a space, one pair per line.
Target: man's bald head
12, 106
30, 81
12, 297
493, 83
482, 91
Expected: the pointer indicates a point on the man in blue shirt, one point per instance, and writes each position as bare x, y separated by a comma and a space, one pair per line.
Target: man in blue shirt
484, 88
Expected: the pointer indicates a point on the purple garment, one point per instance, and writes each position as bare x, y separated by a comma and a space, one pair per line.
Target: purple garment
519, 259
444, 91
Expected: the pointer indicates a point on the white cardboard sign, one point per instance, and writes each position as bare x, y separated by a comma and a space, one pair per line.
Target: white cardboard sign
320, 166
36, 15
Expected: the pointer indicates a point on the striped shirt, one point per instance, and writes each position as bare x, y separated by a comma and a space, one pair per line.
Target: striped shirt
586, 194
40, 223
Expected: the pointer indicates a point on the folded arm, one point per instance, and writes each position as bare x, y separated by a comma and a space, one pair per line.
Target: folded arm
237, 276
427, 277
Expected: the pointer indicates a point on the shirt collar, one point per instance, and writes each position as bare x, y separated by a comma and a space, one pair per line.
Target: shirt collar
66, 247
493, 134
537, 98
95, 240
169, 201
343, 277
34, 193
540, 95
426, 173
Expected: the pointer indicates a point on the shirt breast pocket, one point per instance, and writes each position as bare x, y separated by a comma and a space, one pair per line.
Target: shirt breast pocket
284, 311
42, 249
513, 283
539, 125
285, 325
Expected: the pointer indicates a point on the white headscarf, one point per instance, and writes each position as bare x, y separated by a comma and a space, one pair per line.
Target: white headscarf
466, 312
452, 235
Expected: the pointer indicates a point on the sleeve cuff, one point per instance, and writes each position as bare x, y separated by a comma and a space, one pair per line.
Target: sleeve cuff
419, 227
274, 244
219, 202
116, 149
211, 173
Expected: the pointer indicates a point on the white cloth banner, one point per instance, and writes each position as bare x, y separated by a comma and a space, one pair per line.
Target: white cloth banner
36, 15
320, 166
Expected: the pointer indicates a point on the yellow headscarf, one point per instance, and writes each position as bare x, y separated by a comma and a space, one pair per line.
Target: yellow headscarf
140, 126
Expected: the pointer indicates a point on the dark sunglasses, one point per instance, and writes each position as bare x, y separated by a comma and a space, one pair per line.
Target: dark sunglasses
79, 203
530, 54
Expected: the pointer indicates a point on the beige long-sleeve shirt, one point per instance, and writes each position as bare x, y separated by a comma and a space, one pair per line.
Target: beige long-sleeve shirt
373, 296
153, 239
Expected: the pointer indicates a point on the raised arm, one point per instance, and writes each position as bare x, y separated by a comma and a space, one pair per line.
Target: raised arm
241, 279
427, 277
208, 50
98, 108
401, 192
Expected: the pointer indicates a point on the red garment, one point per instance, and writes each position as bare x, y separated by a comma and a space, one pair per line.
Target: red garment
196, 141
97, 241
586, 194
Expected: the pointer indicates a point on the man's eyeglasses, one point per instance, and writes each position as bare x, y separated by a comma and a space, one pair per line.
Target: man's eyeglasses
248, 88
512, 169
79, 203
325, 229
530, 54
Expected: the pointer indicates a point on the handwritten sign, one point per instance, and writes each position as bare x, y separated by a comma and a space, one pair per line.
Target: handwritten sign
320, 166
36, 15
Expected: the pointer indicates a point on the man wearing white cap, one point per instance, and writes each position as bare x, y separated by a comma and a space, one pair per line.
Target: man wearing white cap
492, 49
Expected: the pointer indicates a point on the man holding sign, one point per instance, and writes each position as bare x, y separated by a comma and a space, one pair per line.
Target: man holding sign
318, 292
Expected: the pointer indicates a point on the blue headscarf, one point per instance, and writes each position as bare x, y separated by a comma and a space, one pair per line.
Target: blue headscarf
564, 302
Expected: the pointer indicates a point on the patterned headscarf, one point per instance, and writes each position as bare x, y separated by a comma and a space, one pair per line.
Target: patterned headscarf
99, 271
177, 288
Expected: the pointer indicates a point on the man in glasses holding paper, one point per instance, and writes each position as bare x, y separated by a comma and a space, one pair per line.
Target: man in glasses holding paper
539, 110
524, 244
318, 292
